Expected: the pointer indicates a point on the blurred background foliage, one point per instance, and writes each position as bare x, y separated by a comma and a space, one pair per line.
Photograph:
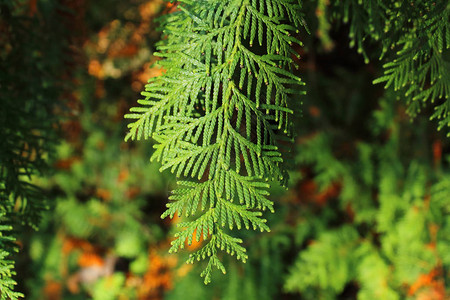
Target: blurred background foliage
366, 216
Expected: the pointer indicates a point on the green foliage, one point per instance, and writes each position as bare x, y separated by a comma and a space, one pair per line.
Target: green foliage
415, 39
30, 60
316, 263
6, 265
220, 114
367, 212
440, 211
395, 215
103, 290
118, 221
259, 279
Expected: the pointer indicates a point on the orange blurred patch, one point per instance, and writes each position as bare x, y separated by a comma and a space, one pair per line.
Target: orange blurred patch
88, 259
89, 253
66, 164
330, 192
133, 192
429, 286
100, 90
32, 7
52, 290
95, 69
123, 175
350, 212
308, 192
431, 246
319, 12
71, 244
159, 277
148, 12
149, 9
437, 152
184, 270
314, 111
124, 51
72, 130
103, 194
171, 7
432, 294
149, 70
433, 229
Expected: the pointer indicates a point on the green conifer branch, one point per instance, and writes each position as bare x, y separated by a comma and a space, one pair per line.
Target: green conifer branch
218, 115
7, 247
415, 38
